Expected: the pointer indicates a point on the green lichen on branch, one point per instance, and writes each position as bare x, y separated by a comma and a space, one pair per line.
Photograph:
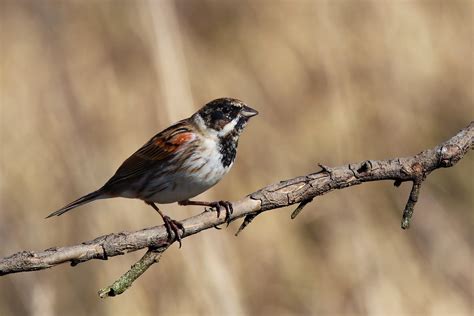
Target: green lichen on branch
151, 257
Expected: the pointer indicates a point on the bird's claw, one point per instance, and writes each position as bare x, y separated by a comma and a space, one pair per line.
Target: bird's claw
217, 206
229, 209
173, 226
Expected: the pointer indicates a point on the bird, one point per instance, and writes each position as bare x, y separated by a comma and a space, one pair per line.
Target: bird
180, 162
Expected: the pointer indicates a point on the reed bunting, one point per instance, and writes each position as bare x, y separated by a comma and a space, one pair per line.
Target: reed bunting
180, 162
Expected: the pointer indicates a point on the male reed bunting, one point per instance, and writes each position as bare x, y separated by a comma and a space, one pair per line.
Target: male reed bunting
180, 162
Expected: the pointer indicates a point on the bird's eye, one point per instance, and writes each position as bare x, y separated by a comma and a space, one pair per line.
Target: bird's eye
215, 116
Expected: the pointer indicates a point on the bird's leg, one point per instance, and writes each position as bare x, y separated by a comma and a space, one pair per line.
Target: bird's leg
170, 224
217, 205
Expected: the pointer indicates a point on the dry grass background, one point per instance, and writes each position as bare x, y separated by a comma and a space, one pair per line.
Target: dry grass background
85, 83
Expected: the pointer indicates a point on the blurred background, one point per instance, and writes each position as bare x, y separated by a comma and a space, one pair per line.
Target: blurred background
85, 83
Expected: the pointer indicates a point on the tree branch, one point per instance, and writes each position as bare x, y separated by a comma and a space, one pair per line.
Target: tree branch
301, 190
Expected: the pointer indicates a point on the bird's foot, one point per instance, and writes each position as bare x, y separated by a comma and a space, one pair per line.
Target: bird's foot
173, 226
226, 205
170, 224
217, 205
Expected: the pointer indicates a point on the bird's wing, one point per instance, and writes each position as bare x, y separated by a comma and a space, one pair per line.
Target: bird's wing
157, 151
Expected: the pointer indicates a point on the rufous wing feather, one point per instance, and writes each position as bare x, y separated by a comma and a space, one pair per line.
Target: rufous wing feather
158, 149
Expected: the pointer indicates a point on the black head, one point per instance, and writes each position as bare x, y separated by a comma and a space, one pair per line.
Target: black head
225, 115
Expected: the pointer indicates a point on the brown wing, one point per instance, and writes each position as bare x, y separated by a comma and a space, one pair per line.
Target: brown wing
155, 152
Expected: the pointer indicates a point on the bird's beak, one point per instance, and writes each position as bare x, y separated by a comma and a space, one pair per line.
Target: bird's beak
248, 112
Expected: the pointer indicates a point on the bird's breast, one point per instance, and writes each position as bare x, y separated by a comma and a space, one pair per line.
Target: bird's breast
202, 169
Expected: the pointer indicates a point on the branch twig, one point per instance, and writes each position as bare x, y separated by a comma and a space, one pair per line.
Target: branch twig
125, 281
300, 190
410, 206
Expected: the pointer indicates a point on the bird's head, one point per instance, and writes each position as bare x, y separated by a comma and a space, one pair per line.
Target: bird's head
224, 116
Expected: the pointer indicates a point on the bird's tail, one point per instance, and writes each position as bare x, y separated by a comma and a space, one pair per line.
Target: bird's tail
83, 200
